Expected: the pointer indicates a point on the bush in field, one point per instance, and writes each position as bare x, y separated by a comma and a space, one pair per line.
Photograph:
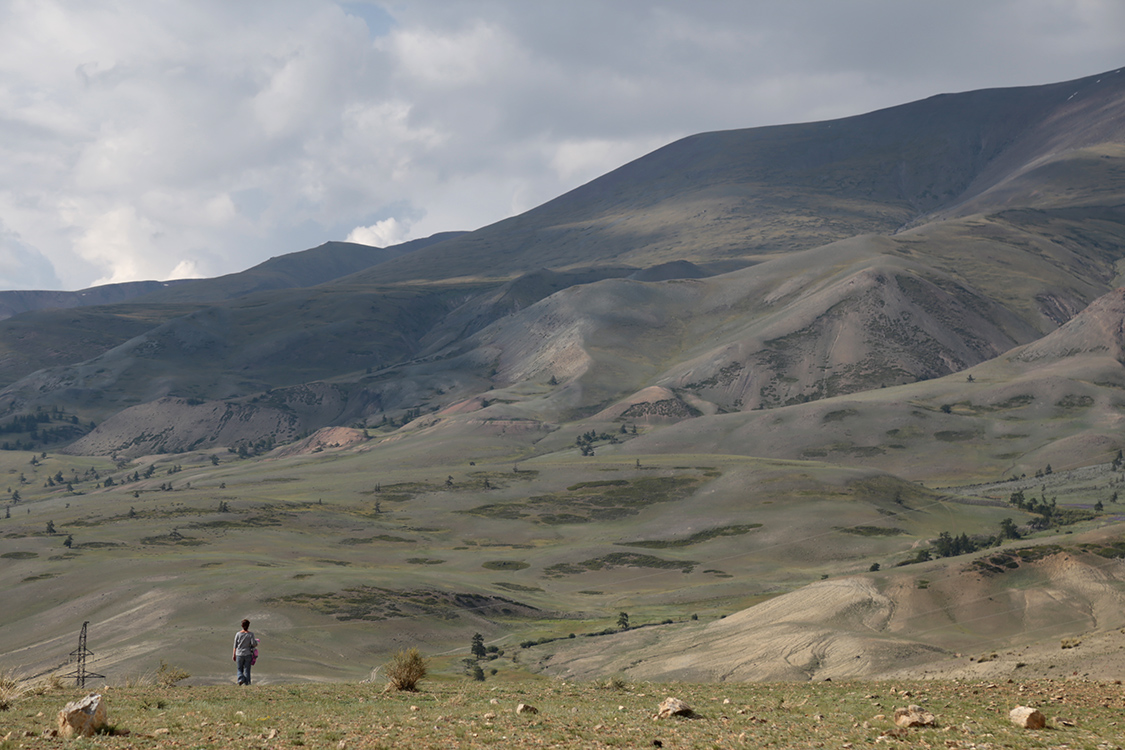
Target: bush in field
405, 670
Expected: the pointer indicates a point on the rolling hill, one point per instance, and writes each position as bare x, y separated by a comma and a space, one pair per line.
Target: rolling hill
724, 379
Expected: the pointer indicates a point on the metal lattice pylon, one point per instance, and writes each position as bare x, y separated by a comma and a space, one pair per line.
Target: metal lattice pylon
79, 655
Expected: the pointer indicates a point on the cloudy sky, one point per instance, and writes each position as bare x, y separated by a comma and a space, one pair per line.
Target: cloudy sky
155, 139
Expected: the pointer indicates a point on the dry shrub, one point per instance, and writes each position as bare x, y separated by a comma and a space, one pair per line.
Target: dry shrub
405, 670
168, 675
143, 679
12, 688
48, 684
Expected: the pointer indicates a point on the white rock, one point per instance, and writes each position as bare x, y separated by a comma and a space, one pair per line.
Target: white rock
1027, 717
82, 718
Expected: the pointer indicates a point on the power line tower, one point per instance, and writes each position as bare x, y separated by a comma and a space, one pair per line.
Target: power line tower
79, 655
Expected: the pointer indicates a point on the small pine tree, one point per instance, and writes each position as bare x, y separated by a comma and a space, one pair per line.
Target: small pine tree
623, 621
477, 649
478, 674
69, 541
51, 527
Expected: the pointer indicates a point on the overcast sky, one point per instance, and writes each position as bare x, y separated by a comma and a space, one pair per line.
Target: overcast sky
155, 140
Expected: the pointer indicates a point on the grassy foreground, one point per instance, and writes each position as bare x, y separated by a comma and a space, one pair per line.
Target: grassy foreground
464, 714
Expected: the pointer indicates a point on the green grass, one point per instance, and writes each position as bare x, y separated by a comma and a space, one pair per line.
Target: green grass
611, 713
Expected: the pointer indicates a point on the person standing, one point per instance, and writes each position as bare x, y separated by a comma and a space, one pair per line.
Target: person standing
244, 646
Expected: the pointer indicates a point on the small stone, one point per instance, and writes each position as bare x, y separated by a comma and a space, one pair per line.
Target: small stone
342, 745
272, 734
524, 708
726, 701
162, 730
414, 708
489, 716
1027, 717
495, 702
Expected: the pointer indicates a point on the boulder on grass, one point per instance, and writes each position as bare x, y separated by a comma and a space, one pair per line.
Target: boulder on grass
1027, 717
83, 718
914, 716
673, 707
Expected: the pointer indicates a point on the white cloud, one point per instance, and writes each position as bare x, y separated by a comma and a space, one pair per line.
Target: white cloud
381, 234
22, 266
146, 140
185, 269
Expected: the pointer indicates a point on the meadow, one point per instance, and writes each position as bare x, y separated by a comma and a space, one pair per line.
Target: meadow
607, 713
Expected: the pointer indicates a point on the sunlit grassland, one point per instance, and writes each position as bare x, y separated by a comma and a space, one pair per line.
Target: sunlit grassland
609, 713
